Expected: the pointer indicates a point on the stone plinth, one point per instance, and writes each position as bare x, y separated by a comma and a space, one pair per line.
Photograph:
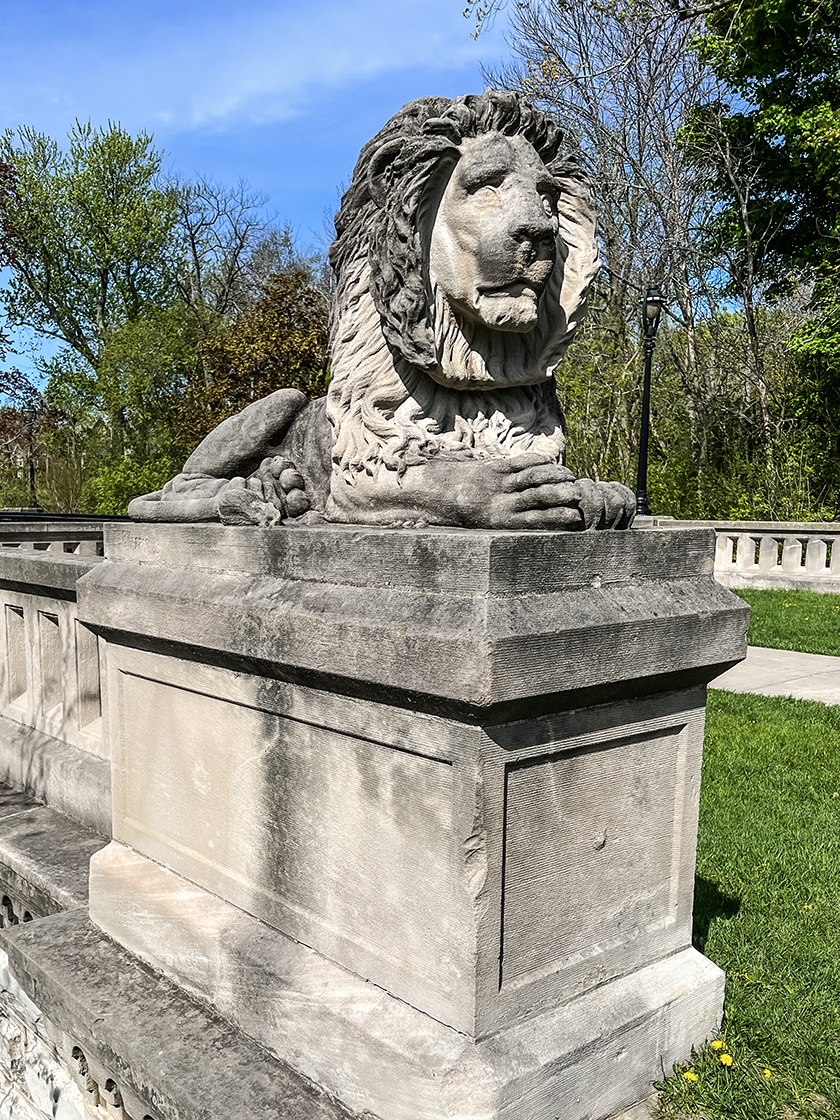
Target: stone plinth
417, 809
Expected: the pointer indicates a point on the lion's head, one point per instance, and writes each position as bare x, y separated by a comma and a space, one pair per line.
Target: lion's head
464, 249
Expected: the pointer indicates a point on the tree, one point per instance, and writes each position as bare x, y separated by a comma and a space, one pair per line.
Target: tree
280, 342
778, 58
84, 232
158, 289
623, 92
684, 200
84, 238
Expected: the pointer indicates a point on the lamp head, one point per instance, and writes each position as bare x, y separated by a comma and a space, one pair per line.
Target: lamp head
652, 306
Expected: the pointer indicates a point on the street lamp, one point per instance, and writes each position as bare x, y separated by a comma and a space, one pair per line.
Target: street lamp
651, 312
30, 415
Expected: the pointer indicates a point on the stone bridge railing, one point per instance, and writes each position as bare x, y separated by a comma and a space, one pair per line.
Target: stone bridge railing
51, 742
770, 554
77, 537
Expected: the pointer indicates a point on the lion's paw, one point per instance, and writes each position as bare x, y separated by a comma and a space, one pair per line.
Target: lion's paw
606, 505
246, 507
282, 483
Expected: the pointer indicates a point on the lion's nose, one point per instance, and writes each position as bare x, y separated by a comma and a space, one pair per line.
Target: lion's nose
530, 223
536, 239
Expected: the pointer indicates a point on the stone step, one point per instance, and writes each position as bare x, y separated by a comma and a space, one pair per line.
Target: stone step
44, 859
123, 1033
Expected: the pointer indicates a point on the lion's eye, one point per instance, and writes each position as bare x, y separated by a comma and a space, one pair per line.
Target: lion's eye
491, 182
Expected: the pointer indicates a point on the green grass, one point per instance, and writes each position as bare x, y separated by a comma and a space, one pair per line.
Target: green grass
767, 910
808, 621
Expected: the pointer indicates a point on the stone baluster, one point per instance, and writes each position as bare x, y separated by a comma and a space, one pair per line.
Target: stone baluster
723, 552
792, 555
768, 556
815, 556
745, 557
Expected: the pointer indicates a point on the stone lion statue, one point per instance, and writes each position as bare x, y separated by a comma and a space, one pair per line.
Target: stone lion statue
464, 250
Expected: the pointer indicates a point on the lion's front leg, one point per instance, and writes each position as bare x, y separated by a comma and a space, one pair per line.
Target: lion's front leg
527, 491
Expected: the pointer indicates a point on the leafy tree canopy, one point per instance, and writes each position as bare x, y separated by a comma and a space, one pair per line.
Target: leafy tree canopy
779, 59
82, 232
278, 343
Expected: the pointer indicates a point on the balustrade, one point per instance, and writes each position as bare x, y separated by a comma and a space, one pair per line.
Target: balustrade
770, 554
51, 742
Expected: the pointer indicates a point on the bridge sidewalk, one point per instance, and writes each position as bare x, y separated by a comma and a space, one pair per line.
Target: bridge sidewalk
781, 672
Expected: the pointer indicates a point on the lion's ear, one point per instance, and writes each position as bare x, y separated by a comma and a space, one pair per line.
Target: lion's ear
381, 171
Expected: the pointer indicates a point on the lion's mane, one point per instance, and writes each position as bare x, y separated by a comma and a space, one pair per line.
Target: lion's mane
391, 330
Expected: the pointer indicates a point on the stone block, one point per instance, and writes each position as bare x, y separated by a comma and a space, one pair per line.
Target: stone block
486, 626
418, 808
171, 1057
477, 873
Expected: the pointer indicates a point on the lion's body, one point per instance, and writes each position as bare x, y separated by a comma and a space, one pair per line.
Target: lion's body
388, 413
464, 250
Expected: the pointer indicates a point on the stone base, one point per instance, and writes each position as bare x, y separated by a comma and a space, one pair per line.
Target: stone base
585, 1060
108, 1038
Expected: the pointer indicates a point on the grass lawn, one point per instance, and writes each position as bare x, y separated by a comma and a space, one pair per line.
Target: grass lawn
767, 910
808, 621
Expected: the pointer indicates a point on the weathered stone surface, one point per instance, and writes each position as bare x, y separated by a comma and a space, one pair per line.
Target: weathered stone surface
584, 1058
43, 573
44, 859
485, 626
51, 741
417, 809
72, 781
46, 856
171, 1058
442, 406
34, 1082
388, 840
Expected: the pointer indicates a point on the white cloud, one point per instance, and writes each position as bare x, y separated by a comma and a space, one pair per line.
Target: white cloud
186, 66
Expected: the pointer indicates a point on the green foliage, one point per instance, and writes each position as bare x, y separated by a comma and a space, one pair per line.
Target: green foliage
177, 304
84, 233
114, 485
766, 905
278, 343
730, 448
779, 59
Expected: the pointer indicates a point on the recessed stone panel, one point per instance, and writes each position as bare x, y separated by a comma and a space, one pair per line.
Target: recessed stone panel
591, 852
343, 843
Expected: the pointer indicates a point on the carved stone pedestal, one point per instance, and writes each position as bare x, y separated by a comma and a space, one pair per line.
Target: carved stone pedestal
417, 810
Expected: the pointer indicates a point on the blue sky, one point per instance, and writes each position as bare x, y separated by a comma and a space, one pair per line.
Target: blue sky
280, 94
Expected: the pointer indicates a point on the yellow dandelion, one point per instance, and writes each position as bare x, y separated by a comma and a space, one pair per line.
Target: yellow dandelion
768, 1073
725, 1059
807, 906
718, 1045
689, 1075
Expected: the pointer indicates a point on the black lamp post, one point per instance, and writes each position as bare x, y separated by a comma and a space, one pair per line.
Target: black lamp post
30, 415
651, 312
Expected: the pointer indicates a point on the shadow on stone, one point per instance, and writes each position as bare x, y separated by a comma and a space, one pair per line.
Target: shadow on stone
709, 903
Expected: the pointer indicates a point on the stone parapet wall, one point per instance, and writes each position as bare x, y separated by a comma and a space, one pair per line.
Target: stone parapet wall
404, 821
769, 554
52, 744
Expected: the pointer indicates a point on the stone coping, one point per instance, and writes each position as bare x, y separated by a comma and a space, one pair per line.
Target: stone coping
177, 1055
500, 625
473, 562
53, 574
